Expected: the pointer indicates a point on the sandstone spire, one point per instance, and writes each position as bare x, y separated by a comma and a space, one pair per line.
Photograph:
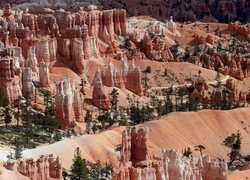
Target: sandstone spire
69, 103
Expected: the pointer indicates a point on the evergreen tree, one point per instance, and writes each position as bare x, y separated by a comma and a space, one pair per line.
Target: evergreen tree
234, 143
168, 105
219, 47
27, 116
48, 102
114, 100
18, 148
7, 116
181, 93
3, 99
127, 43
135, 114
145, 77
18, 106
88, 116
187, 152
105, 118
200, 148
141, 45
79, 170
50, 125
123, 119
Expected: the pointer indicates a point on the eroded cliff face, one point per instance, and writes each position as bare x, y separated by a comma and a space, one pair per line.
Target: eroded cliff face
33, 41
73, 36
186, 10
137, 164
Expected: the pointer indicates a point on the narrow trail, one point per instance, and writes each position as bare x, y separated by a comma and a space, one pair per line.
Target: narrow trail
189, 84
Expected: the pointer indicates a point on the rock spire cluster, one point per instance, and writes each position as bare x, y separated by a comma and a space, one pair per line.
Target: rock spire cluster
136, 163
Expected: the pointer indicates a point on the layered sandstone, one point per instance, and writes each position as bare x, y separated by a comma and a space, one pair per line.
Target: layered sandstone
74, 36
28, 87
44, 168
31, 62
99, 96
239, 30
113, 77
44, 74
69, 104
227, 64
133, 79
9, 75
136, 163
126, 77
155, 49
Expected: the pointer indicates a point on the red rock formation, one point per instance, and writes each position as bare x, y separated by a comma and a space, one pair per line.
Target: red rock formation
133, 80
44, 168
112, 77
239, 30
136, 164
69, 104
77, 54
46, 49
198, 39
229, 84
7, 12
74, 36
31, 62
209, 39
28, 88
44, 74
155, 49
9, 75
227, 64
99, 96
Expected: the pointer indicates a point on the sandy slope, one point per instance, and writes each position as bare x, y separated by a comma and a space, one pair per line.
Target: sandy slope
240, 175
11, 175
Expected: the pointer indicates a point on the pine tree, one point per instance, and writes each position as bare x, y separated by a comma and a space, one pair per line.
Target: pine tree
88, 116
234, 142
200, 148
48, 102
145, 77
79, 170
3, 99
114, 100
187, 152
218, 80
18, 148
27, 116
7, 116
18, 106
50, 124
